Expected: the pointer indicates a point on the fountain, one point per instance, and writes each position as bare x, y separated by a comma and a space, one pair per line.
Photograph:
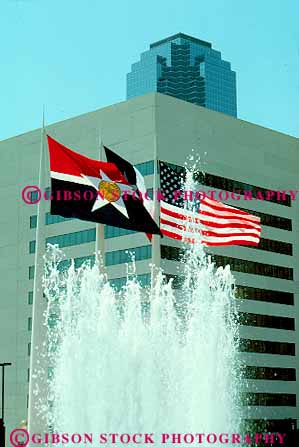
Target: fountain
143, 360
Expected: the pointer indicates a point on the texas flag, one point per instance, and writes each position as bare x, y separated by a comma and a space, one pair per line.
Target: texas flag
95, 191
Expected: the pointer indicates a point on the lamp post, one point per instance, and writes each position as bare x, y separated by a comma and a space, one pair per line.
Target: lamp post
2, 426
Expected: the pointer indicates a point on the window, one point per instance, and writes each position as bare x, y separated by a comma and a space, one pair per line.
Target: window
271, 296
269, 321
267, 373
29, 349
255, 268
52, 320
274, 246
112, 258
49, 219
171, 253
267, 347
32, 246
271, 221
30, 297
78, 262
246, 292
234, 185
31, 271
34, 195
177, 281
123, 256
268, 425
70, 239
269, 399
146, 168
33, 221
143, 279
84, 259
111, 232
237, 265
53, 219
29, 324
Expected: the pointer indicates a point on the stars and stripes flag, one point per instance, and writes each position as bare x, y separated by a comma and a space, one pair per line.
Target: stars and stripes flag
225, 225
214, 224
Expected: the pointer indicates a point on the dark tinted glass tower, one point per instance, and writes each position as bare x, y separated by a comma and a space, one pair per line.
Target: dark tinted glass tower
187, 68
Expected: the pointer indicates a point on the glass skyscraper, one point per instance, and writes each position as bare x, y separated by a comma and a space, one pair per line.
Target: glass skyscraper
187, 68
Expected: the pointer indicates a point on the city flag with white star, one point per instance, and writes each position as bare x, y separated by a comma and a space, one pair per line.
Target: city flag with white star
95, 191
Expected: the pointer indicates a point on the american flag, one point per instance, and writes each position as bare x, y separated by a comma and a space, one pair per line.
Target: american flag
225, 225
217, 223
171, 180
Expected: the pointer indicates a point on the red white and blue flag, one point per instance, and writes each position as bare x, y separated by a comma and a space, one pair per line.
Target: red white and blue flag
214, 223
222, 224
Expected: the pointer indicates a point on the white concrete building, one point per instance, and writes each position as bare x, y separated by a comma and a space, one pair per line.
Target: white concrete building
239, 155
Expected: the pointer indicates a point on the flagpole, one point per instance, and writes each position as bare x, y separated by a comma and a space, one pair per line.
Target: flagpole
38, 355
100, 228
156, 239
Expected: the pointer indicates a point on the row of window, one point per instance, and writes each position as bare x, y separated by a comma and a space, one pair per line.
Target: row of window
255, 268
267, 347
269, 399
269, 220
118, 283
282, 223
267, 373
247, 293
52, 319
81, 237
76, 238
271, 296
269, 321
123, 256
227, 184
251, 319
268, 425
66, 263
255, 346
111, 258
49, 219
237, 265
284, 248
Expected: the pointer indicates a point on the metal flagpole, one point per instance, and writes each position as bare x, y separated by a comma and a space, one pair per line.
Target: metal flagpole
156, 239
38, 392
2, 425
100, 228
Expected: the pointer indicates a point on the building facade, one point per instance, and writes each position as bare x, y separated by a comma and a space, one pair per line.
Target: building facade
187, 68
237, 155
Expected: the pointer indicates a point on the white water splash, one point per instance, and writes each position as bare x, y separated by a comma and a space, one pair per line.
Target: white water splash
145, 360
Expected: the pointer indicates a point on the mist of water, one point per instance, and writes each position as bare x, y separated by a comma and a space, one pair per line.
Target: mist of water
143, 360
153, 359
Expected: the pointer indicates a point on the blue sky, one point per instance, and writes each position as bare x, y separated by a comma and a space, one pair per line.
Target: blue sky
73, 56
